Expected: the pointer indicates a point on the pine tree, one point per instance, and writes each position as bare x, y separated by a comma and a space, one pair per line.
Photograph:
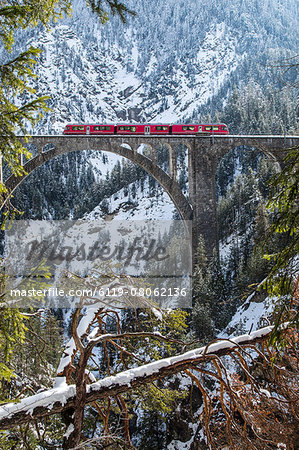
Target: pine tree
261, 222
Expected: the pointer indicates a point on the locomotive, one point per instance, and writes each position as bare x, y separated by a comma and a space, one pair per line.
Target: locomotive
147, 129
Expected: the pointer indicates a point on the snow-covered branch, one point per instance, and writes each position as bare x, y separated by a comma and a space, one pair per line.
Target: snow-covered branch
63, 397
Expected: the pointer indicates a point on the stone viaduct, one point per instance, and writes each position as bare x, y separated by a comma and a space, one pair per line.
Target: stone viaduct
204, 155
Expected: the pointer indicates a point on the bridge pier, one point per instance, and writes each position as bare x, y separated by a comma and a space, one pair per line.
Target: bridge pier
173, 163
202, 166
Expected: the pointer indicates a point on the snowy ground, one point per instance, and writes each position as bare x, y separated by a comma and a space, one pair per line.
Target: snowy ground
249, 317
122, 206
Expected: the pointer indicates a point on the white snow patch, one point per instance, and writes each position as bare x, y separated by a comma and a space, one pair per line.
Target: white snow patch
69, 430
249, 316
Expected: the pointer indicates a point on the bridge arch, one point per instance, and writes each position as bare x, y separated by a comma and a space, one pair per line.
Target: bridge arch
122, 147
268, 146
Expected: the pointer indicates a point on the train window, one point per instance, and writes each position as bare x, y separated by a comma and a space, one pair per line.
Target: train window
215, 128
208, 128
102, 128
78, 128
121, 128
163, 128
188, 128
199, 128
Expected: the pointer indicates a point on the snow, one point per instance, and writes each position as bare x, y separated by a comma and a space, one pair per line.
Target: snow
69, 430
67, 355
126, 146
60, 382
158, 314
87, 319
178, 445
249, 316
93, 334
91, 376
144, 206
265, 392
102, 167
45, 398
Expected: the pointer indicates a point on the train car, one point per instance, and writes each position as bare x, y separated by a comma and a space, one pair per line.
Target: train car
142, 129
93, 129
131, 128
215, 128
160, 128
202, 129
185, 129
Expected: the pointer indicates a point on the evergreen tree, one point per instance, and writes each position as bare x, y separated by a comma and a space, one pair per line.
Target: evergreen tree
12, 331
282, 281
261, 222
221, 309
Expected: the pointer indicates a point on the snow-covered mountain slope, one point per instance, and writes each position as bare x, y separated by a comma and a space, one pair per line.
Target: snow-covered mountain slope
104, 84
164, 65
142, 199
102, 163
146, 204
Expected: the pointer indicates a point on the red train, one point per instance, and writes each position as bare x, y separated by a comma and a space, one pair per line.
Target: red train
146, 129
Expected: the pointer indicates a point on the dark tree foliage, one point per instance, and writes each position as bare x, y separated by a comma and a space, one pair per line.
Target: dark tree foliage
115, 7
282, 281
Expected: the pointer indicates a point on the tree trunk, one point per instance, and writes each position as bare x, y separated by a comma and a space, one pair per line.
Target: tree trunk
74, 437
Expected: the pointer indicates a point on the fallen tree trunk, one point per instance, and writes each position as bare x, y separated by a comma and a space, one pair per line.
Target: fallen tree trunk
58, 400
